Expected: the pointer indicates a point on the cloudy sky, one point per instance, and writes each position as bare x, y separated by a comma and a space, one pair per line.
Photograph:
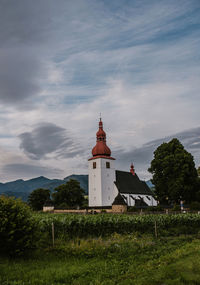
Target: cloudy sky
63, 62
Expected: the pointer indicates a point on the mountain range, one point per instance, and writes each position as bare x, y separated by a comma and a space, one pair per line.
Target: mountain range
22, 188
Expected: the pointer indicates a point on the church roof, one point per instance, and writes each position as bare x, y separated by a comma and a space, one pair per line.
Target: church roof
119, 200
101, 148
128, 183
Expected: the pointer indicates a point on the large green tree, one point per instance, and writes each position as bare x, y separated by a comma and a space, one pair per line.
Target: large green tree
174, 173
37, 198
70, 194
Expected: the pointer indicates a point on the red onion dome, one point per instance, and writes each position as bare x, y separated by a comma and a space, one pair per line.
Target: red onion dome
101, 148
101, 133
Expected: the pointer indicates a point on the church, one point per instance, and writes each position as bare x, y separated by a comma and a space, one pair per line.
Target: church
106, 183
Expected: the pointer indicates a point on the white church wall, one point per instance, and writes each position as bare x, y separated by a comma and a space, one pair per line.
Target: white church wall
95, 195
129, 198
108, 178
101, 186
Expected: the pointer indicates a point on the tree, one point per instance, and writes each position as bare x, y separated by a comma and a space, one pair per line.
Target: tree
174, 173
18, 230
37, 198
198, 171
70, 193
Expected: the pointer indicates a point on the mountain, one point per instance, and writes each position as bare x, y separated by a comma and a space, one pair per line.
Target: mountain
21, 189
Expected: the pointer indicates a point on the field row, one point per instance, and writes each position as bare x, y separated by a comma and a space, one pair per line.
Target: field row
104, 224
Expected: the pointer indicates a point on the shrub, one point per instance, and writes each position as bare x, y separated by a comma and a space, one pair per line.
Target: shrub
155, 209
176, 207
195, 206
133, 209
17, 227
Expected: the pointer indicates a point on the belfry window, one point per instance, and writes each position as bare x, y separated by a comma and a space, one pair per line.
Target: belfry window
94, 165
107, 164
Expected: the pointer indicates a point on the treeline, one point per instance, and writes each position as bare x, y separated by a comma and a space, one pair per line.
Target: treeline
68, 195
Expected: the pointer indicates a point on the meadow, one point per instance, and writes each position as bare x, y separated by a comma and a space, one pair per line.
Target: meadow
110, 249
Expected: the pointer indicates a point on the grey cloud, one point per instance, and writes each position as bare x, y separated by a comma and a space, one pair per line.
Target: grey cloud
19, 76
23, 22
143, 155
26, 170
25, 29
47, 138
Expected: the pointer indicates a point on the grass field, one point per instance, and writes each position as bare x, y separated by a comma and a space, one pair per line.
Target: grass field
118, 259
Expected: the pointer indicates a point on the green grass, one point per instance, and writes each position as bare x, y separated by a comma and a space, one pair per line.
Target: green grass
119, 259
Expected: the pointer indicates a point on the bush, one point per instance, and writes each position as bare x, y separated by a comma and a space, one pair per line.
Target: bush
155, 209
133, 209
176, 208
195, 206
17, 227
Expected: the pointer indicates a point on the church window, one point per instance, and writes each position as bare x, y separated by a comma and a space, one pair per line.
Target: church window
107, 164
94, 165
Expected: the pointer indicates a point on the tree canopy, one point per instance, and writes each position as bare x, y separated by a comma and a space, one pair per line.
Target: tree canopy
198, 171
70, 194
37, 198
174, 173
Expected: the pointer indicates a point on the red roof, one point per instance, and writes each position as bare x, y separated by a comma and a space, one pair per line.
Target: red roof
101, 148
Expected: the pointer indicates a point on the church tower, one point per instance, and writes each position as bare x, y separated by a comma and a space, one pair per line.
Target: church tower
101, 172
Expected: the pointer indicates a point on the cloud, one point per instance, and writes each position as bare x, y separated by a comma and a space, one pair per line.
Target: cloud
137, 62
19, 77
143, 155
29, 170
48, 139
22, 32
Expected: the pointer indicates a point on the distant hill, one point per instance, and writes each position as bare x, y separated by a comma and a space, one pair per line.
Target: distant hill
22, 188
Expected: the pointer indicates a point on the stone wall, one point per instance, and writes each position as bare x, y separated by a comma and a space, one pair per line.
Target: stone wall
119, 208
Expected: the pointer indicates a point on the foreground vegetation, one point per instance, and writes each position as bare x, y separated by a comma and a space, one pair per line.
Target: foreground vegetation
55, 249
119, 259
106, 224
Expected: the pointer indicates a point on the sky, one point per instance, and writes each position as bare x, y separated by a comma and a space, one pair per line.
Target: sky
62, 63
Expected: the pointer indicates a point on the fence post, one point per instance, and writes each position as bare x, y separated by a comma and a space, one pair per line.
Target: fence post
155, 227
53, 236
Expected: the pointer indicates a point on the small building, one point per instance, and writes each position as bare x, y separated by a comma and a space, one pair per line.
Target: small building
134, 191
105, 182
119, 205
48, 206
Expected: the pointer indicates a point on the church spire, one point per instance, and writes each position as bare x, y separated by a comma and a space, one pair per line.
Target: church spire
101, 148
132, 170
